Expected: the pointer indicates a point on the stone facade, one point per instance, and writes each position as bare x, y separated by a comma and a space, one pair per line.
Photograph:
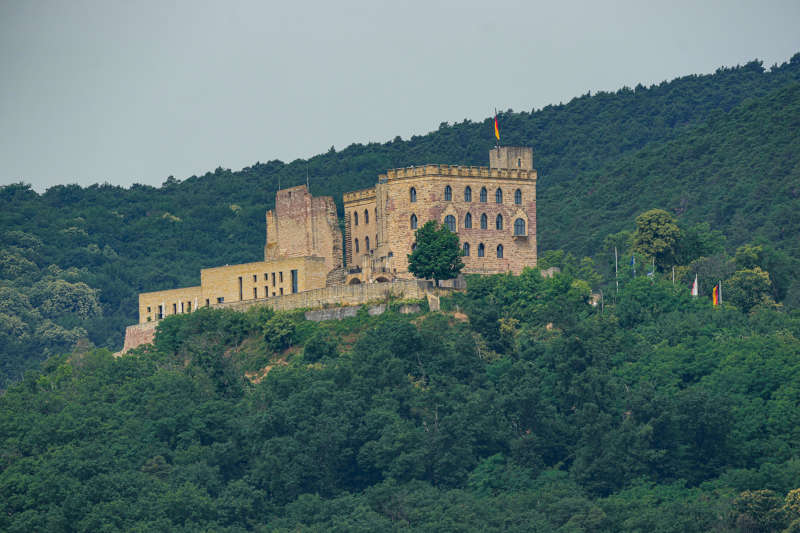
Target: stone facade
492, 209
303, 251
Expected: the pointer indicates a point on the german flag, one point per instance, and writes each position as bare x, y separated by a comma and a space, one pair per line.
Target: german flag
496, 128
715, 295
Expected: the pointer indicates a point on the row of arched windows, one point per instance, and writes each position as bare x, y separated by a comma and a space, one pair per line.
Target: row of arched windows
366, 216
448, 195
450, 223
482, 250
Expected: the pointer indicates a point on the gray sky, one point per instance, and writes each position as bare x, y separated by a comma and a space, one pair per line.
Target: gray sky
124, 92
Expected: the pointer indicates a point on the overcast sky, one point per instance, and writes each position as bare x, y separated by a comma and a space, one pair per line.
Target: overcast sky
124, 92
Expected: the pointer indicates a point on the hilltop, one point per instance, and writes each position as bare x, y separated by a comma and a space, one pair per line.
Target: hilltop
720, 148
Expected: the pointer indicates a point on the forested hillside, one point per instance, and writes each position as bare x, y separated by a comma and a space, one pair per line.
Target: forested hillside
720, 148
528, 410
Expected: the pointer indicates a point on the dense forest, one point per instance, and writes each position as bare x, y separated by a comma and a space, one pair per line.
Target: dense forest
521, 407
602, 398
721, 149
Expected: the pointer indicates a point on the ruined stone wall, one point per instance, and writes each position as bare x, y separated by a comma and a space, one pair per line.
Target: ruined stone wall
301, 226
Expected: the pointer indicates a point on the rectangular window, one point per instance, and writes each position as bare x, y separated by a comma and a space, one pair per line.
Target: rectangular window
266, 276
148, 308
273, 293
280, 275
266, 291
208, 302
273, 281
255, 292
160, 312
220, 299
240, 288
255, 278
174, 309
294, 281
281, 291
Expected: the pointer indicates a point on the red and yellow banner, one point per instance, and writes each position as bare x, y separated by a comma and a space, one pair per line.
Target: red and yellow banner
496, 128
715, 295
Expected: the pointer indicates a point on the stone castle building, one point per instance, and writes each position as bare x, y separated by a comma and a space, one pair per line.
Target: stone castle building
492, 209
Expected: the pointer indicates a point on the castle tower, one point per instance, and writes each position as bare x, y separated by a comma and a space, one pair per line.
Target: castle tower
511, 157
302, 226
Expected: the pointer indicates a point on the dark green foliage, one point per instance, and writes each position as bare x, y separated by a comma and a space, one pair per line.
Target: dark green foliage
541, 413
437, 254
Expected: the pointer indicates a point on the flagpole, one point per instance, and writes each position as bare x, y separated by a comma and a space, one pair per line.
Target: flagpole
616, 270
719, 294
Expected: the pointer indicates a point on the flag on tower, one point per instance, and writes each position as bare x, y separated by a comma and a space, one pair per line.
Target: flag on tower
694, 286
496, 127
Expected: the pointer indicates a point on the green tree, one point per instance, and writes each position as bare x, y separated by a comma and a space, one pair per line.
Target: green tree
748, 288
437, 254
656, 235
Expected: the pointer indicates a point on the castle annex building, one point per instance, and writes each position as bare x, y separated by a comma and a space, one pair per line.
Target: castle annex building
492, 209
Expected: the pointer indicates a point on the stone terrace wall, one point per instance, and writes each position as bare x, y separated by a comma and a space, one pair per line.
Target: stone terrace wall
339, 295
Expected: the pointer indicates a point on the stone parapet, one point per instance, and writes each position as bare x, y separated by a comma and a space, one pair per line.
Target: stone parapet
456, 171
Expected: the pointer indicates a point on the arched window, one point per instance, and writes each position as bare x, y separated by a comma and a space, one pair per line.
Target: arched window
498, 196
519, 227
448, 194
356, 242
518, 197
355, 217
498, 222
481, 250
450, 222
468, 194
468, 221
483, 195
366, 244
413, 221
499, 251
519, 162
484, 221
366, 216
413, 194
466, 249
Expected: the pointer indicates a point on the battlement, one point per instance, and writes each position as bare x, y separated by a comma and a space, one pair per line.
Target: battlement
357, 196
455, 171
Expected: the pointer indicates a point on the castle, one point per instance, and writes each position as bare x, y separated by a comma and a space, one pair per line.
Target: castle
492, 209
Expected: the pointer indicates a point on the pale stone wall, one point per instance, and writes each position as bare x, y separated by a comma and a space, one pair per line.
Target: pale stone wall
159, 304
519, 157
232, 283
